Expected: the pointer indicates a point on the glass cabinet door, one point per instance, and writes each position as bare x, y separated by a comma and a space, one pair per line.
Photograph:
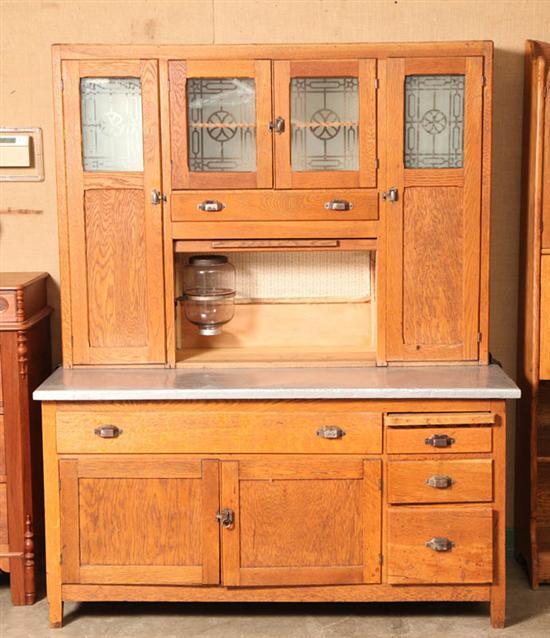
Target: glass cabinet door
434, 164
325, 133
219, 120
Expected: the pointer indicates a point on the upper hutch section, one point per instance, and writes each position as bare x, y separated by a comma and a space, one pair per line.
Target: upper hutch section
289, 160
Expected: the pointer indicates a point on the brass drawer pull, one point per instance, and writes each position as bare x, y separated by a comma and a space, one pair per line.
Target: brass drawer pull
330, 432
439, 440
226, 517
211, 206
439, 481
108, 431
338, 204
440, 544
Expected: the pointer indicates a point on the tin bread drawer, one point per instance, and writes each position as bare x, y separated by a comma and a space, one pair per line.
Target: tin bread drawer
226, 429
436, 545
440, 481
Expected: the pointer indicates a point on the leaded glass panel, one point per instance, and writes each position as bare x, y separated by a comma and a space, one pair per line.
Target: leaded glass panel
221, 124
324, 124
112, 138
434, 121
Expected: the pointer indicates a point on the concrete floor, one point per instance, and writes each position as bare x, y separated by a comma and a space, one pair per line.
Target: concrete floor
528, 617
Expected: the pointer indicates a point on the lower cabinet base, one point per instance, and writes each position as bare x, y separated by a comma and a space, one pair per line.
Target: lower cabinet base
351, 593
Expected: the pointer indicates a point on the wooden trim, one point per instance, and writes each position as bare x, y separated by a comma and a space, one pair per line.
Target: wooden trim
372, 521
210, 504
332, 593
274, 51
141, 574
498, 588
230, 537
431, 418
70, 534
299, 576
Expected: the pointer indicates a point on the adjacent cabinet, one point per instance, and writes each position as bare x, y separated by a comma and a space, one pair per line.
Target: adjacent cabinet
533, 440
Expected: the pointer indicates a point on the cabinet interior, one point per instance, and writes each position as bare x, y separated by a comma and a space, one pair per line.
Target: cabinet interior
308, 305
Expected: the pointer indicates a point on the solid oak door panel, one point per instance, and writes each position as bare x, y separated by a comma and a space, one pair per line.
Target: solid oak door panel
328, 138
148, 520
115, 231
219, 124
433, 224
301, 522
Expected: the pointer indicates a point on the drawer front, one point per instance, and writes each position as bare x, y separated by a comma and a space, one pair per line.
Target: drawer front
438, 440
274, 205
464, 538
8, 307
231, 431
440, 481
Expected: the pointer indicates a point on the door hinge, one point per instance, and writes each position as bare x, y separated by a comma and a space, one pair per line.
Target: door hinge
479, 337
381, 484
377, 163
376, 83
483, 81
381, 559
62, 85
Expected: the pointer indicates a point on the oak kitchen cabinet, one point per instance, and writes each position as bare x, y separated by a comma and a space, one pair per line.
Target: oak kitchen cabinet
292, 455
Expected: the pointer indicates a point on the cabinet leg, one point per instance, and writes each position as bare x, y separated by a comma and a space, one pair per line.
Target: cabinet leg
55, 612
30, 586
498, 607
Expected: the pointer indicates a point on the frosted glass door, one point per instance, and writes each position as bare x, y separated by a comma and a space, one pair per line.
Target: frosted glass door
328, 111
219, 124
112, 133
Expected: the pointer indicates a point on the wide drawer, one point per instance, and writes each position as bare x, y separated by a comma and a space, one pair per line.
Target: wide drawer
275, 205
440, 481
440, 545
300, 430
438, 440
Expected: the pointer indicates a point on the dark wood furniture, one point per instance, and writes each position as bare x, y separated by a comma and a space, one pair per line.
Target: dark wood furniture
24, 364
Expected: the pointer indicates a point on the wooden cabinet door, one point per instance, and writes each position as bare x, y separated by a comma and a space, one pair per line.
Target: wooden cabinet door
301, 521
219, 124
327, 115
434, 135
139, 520
546, 161
112, 151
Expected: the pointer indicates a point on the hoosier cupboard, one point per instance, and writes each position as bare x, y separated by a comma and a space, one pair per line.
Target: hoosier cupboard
533, 440
297, 239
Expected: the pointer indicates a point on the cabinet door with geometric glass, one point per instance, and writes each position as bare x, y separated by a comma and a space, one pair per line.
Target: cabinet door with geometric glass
325, 123
219, 124
433, 207
113, 220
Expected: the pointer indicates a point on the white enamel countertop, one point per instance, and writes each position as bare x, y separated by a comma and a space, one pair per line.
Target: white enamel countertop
418, 382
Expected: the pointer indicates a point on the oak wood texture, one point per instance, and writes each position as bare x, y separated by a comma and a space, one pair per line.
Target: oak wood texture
112, 541
469, 561
532, 307
544, 372
231, 430
269, 544
472, 481
258, 70
413, 440
24, 364
115, 235
275, 205
365, 72
433, 300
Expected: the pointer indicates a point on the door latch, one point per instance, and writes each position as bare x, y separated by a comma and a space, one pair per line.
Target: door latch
278, 126
226, 517
390, 195
157, 197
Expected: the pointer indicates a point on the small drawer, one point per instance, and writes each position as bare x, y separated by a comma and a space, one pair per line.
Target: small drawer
438, 440
440, 545
224, 431
8, 307
275, 205
440, 481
